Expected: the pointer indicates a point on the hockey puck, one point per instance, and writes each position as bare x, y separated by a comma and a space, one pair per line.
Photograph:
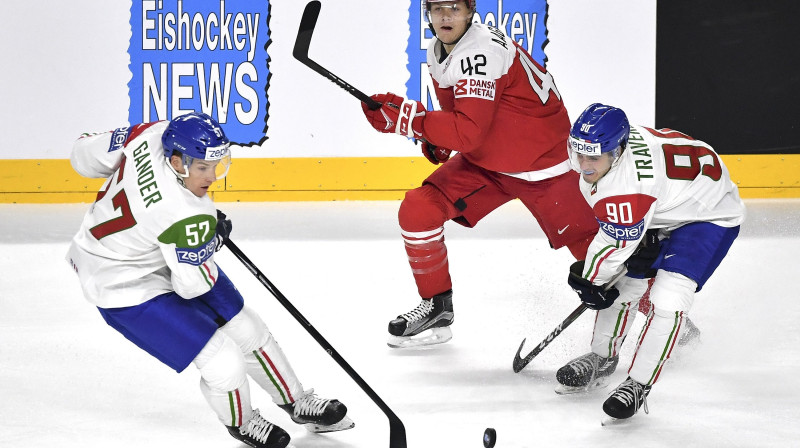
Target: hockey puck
489, 437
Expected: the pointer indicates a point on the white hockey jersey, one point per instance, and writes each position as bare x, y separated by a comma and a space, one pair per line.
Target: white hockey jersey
146, 234
663, 180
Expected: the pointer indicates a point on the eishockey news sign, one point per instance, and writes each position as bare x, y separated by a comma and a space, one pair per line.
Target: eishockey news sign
205, 55
522, 20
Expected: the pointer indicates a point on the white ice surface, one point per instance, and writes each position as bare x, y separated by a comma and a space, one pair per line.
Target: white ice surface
68, 380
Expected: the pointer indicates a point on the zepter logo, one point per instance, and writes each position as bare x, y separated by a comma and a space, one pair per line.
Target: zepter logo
584, 147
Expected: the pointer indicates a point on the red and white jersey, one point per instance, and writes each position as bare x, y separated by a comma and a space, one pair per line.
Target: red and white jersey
499, 107
146, 234
663, 180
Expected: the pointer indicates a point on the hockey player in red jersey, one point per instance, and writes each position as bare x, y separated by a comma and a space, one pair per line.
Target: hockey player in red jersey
504, 118
644, 184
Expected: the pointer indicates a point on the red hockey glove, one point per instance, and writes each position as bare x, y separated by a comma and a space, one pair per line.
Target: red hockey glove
435, 154
396, 114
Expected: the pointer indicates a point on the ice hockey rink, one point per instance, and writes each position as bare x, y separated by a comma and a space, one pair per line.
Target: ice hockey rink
69, 380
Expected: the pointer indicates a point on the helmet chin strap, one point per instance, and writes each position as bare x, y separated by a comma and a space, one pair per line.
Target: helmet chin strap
178, 174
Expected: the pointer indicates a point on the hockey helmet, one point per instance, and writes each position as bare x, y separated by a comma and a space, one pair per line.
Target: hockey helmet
426, 7
426, 3
426, 13
598, 130
197, 136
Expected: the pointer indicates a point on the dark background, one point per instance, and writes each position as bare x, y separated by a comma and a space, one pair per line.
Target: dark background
728, 73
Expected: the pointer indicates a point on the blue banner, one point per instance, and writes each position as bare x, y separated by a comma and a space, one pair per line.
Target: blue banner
203, 55
524, 21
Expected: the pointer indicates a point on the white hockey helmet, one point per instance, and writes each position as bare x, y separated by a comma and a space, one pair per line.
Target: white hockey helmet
426, 6
470, 3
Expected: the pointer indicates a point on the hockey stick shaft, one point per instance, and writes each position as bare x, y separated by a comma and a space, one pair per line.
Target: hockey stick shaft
520, 362
397, 431
301, 46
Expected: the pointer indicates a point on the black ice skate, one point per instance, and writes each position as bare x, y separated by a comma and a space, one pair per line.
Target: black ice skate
411, 329
317, 414
626, 400
260, 433
585, 373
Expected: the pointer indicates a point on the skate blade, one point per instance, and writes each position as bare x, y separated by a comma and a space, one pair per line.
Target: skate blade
433, 336
613, 421
599, 383
341, 425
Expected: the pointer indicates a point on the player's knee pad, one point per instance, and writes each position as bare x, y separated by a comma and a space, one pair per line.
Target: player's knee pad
422, 209
672, 292
221, 364
247, 329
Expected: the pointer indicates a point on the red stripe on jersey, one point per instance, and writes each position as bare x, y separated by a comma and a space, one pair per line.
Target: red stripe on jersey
208, 272
137, 130
602, 259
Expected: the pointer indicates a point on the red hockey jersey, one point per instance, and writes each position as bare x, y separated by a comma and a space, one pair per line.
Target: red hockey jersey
500, 108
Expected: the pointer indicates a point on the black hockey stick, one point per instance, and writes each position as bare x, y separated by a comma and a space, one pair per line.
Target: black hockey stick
520, 363
302, 44
397, 431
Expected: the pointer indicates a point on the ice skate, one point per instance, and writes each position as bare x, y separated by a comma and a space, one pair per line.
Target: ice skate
625, 401
317, 414
690, 335
260, 433
427, 324
585, 373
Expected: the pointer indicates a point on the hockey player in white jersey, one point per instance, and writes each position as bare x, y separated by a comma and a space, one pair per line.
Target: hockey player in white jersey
145, 257
644, 184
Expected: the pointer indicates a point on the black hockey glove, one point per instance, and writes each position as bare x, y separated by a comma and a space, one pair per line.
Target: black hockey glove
641, 262
593, 296
224, 227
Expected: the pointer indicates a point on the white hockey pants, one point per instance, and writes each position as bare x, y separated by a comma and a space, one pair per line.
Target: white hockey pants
672, 296
244, 346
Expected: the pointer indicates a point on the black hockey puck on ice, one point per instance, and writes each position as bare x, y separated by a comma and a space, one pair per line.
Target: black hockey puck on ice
489, 437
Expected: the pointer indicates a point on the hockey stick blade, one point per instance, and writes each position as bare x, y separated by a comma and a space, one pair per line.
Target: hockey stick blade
307, 24
520, 363
302, 44
397, 431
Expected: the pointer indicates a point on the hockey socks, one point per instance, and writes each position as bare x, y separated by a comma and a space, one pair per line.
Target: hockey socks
427, 255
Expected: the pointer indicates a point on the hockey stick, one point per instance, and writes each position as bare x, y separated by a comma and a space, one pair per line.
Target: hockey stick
300, 52
397, 431
520, 363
